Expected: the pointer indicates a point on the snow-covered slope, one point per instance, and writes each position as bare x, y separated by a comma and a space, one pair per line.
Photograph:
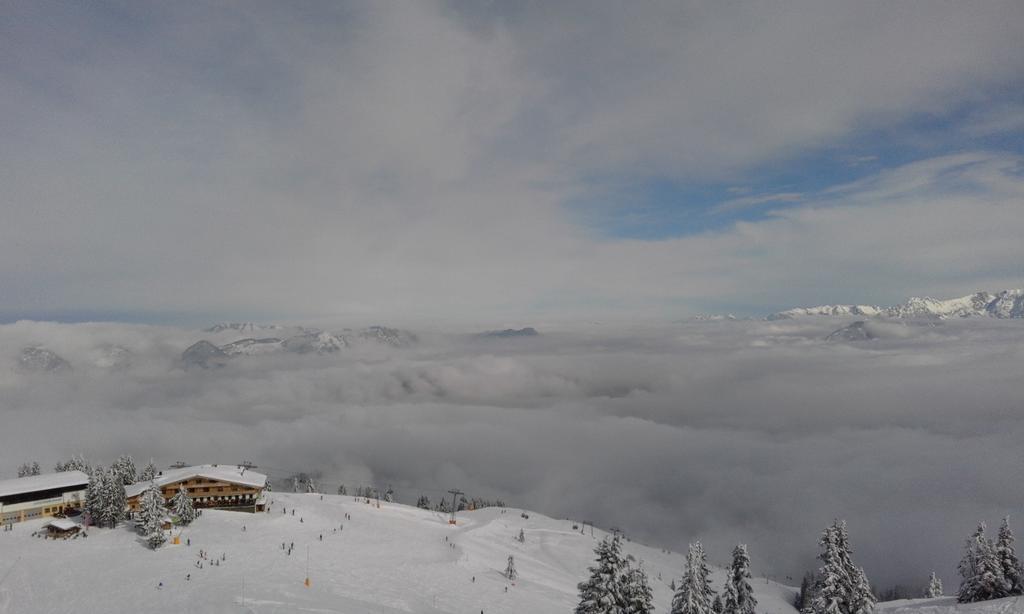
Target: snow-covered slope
1003, 304
392, 559
948, 605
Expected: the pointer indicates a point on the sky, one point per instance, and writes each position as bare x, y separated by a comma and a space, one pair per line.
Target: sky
503, 162
599, 170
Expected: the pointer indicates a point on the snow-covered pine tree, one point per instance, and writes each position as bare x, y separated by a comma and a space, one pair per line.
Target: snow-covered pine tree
94, 496
1013, 574
76, 463
980, 569
310, 485
124, 468
636, 592
717, 606
423, 502
835, 583
510, 569
934, 587
296, 485
342, 490
151, 515
843, 587
521, 538
602, 592
182, 506
739, 595
24, 470
389, 495
113, 499
862, 598
695, 595
148, 473
805, 596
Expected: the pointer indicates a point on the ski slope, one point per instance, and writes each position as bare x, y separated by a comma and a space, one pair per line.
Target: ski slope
948, 605
387, 560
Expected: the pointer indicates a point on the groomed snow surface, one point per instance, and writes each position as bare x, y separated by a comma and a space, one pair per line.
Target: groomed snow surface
392, 559
948, 605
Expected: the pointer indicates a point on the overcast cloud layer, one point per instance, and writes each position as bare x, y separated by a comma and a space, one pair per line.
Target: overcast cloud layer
752, 431
444, 161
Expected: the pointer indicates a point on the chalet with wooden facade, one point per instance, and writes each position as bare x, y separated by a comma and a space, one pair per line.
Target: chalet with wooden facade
41, 496
222, 487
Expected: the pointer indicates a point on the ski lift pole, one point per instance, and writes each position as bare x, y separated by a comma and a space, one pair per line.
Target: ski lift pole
454, 492
307, 566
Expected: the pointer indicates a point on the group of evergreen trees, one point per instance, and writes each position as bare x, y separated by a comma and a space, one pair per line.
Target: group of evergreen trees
843, 587
616, 585
105, 498
990, 570
694, 594
27, 469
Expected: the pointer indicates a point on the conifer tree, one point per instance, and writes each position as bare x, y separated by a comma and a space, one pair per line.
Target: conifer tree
636, 592
112, 499
342, 490
717, 606
695, 595
934, 587
148, 473
843, 587
182, 506
94, 496
75, 463
389, 495
602, 593
980, 570
27, 469
1013, 574
124, 468
521, 538
739, 595
151, 514
510, 570
805, 596
423, 502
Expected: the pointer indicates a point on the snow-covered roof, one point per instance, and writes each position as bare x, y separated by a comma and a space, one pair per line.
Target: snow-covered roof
47, 481
63, 524
225, 473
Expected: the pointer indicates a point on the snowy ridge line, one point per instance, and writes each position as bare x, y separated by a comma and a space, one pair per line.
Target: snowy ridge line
1004, 304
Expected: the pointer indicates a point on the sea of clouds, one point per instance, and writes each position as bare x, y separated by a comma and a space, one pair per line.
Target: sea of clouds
752, 431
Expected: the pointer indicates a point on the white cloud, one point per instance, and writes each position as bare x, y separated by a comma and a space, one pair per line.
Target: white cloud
728, 431
414, 162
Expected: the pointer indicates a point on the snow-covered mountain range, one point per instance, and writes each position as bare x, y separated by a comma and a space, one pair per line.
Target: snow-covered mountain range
205, 353
1001, 304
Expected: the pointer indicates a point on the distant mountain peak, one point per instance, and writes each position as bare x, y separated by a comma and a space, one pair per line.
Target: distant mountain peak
241, 327
40, 359
1004, 304
528, 331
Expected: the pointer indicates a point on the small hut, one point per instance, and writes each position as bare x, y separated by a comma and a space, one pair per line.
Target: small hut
61, 528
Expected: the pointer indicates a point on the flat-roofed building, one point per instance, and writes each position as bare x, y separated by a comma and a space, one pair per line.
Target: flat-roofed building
227, 487
40, 496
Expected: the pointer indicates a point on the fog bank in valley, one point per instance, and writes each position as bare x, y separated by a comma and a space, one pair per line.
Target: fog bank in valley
751, 431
